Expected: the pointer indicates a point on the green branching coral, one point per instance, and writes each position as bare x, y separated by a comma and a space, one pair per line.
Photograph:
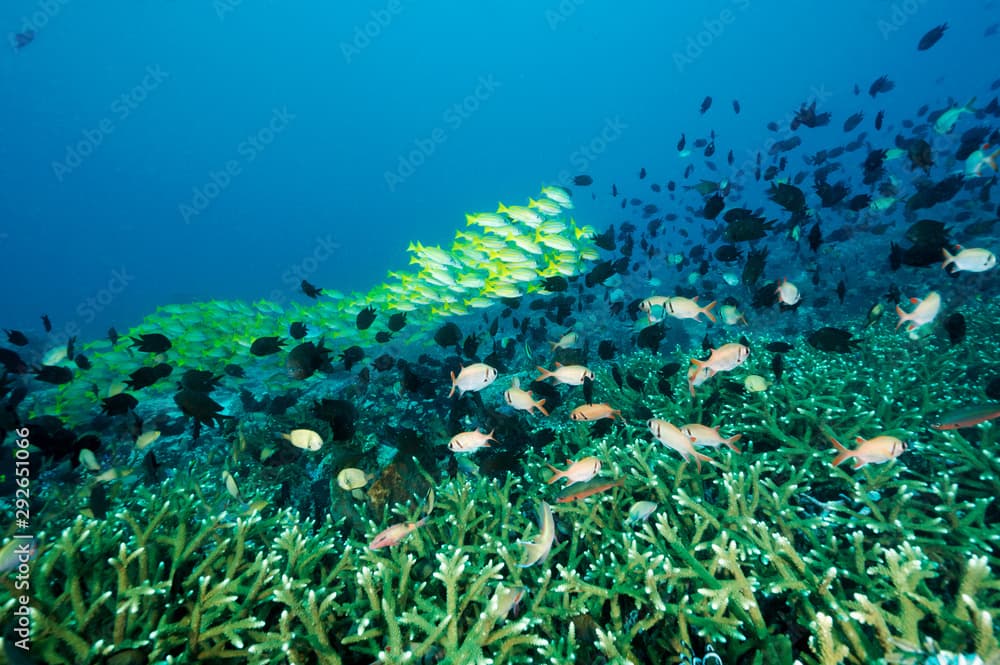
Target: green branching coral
770, 555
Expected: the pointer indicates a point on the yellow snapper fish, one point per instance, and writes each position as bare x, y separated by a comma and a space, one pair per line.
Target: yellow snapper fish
551, 227
523, 214
703, 435
472, 378
303, 438
571, 375
972, 260
467, 442
926, 311
538, 548
545, 205
668, 434
579, 471
523, 400
527, 244
946, 121
487, 220
556, 242
432, 254
559, 195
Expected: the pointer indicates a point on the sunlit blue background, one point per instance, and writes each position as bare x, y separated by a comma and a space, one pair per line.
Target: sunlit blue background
561, 72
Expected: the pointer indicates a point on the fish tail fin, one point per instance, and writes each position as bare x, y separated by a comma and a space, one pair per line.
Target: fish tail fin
843, 453
556, 474
991, 160
453, 385
968, 105
699, 458
501, 208
707, 310
731, 442
540, 405
544, 374
554, 345
948, 258
615, 412
903, 316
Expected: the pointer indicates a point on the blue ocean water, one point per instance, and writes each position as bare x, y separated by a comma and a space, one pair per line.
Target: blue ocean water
161, 152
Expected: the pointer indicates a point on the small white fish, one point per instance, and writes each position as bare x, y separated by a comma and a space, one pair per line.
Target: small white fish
88, 459
395, 533
567, 341
523, 400
788, 293
672, 437
971, 260
946, 121
572, 375
703, 435
640, 511
351, 479
539, 547
579, 471
473, 378
146, 438
232, 487
926, 311
304, 438
467, 442
978, 160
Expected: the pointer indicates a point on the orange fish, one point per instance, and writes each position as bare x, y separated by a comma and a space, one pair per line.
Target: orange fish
668, 434
473, 378
395, 533
926, 310
697, 375
723, 359
571, 375
702, 435
577, 472
873, 451
588, 412
523, 400
587, 489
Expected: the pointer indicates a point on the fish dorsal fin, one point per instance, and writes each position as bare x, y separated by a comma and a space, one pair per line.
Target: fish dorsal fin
558, 365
